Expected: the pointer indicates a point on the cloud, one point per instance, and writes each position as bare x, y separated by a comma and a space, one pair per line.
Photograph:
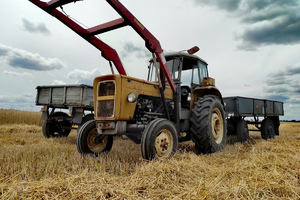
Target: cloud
19, 58
18, 98
11, 73
131, 48
4, 50
284, 85
35, 27
276, 90
83, 76
228, 5
266, 22
289, 71
278, 97
23, 101
58, 82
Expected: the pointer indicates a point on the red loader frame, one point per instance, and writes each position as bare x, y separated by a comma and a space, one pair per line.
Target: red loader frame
127, 18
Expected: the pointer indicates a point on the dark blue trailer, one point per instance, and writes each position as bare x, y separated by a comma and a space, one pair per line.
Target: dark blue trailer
238, 108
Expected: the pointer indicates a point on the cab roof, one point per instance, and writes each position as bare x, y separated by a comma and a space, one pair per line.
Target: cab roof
183, 54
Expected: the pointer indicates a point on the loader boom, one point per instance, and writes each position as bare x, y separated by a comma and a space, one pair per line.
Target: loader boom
127, 18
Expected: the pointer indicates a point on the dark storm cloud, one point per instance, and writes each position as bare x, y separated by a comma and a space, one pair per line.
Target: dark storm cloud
18, 58
267, 22
294, 70
287, 72
278, 97
131, 48
35, 27
276, 80
283, 85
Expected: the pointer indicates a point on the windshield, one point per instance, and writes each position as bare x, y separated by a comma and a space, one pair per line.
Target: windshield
193, 70
173, 64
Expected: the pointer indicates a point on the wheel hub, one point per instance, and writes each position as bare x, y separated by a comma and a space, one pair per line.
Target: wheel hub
95, 142
164, 143
217, 126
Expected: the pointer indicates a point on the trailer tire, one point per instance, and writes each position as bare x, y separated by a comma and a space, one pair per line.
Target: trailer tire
159, 140
51, 128
231, 126
242, 131
267, 129
89, 142
208, 124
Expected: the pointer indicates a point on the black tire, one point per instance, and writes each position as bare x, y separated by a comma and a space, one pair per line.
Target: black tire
231, 126
242, 131
208, 124
276, 122
159, 140
89, 142
52, 128
267, 129
86, 118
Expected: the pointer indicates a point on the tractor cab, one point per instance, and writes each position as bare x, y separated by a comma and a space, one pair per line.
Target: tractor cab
187, 71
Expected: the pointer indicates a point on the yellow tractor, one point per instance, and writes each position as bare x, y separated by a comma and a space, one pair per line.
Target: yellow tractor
178, 101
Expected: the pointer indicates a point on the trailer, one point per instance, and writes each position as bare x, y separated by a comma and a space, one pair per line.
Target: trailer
76, 101
238, 108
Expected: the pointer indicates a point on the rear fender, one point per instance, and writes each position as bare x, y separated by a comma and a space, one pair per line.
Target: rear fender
205, 90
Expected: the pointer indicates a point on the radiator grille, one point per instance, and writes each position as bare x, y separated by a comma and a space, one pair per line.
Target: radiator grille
105, 108
106, 99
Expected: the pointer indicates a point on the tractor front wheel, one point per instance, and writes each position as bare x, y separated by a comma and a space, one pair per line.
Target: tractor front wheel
159, 140
90, 142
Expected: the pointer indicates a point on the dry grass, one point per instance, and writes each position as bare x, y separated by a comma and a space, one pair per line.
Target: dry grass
32, 167
9, 116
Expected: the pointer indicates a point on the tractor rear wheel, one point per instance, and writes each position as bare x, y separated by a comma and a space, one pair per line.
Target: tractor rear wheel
90, 142
159, 140
208, 124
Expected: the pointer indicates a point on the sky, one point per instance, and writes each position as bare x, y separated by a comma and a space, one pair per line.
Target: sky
252, 46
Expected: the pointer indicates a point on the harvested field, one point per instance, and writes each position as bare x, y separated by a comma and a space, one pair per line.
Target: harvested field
33, 167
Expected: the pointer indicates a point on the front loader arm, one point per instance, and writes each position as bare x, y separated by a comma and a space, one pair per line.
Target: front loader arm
107, 52
151, 42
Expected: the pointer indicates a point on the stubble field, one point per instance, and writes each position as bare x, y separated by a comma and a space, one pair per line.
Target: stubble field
33, 167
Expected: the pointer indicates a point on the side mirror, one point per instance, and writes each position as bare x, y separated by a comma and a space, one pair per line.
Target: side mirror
193, 50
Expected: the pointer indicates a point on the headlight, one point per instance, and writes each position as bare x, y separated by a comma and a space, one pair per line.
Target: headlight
132, 97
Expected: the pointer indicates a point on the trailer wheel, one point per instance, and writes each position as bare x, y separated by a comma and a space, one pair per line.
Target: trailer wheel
231, 126
52, 128
267, 129
159, 140
89, 142
208, 124
242, 131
